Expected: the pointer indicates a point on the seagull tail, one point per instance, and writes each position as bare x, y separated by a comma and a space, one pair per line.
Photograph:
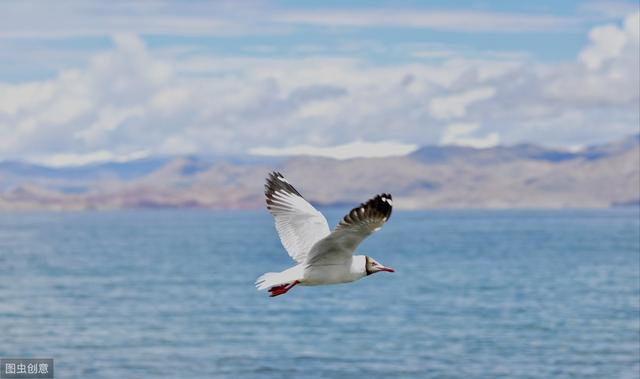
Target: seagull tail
273, 279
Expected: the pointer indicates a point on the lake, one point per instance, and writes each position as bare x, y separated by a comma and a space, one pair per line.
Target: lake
476, 294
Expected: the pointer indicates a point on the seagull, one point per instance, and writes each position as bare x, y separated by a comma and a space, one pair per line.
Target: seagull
323, 256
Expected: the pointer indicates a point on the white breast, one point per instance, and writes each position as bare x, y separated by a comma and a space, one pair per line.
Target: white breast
333, 274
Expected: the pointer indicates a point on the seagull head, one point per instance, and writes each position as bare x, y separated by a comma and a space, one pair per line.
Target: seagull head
372, 266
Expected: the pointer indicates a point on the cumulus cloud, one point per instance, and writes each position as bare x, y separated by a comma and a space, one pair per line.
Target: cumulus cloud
608, 71
607, 42
133, 98
592, 99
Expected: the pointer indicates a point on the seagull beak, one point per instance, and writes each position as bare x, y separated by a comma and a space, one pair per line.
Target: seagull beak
387, 269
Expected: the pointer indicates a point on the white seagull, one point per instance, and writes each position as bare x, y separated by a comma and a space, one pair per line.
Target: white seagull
323, 256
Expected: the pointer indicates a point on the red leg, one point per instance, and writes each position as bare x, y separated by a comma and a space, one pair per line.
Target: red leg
281, 290
278, 290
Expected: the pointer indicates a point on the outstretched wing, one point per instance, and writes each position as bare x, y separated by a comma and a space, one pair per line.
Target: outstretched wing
299, 224
351, 231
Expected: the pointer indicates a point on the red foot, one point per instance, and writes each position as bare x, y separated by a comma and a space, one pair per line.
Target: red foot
282, 289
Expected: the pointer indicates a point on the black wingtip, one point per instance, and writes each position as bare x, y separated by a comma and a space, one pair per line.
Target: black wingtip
383, 203
275, 181
379, 207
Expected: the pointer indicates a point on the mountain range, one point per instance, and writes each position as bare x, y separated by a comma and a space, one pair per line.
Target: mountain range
519, 176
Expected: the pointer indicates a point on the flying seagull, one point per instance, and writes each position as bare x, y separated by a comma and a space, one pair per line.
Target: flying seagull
323, 256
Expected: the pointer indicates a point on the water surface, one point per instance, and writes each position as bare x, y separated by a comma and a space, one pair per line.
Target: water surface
476, 294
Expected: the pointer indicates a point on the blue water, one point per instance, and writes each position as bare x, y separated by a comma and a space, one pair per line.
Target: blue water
476, 294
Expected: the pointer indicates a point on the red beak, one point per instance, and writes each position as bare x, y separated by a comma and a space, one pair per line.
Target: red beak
387, 269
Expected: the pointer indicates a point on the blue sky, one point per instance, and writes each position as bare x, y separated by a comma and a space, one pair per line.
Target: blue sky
89, 81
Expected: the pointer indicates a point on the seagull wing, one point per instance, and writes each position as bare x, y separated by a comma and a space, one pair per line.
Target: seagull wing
357, 225
299, 224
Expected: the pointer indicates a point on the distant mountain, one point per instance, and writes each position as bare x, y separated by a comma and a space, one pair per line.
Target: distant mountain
431, 177
438, 154
12, 173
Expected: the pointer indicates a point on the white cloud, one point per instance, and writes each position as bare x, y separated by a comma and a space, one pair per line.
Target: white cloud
632, 26
179, 145
108, 120
610, 41
319, 109
609, 73
455, 106
357, 149
606, 42
131, 98
170, 100
101, 156
456, 130
15, 98
461, 134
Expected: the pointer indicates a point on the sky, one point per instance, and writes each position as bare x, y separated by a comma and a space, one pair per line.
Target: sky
84, 82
